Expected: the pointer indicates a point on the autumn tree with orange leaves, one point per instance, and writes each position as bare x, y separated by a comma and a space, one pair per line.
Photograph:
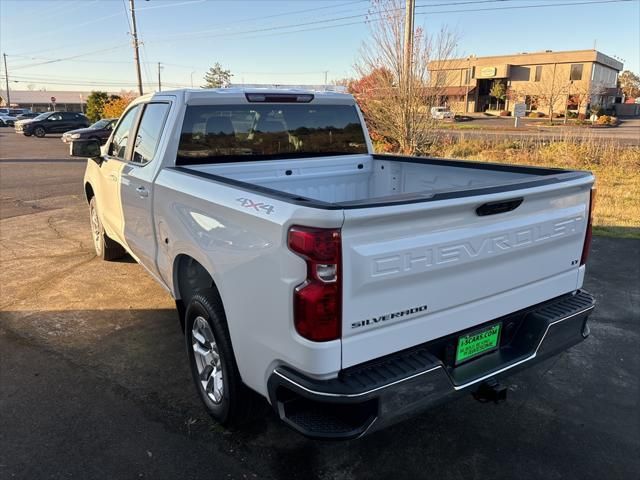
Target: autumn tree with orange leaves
117, 105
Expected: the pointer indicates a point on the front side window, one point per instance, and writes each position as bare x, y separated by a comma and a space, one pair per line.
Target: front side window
228, 133
54, 117
576, 72
118, 146
149, 132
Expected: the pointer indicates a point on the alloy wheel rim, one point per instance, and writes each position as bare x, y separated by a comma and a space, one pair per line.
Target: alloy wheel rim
207, 359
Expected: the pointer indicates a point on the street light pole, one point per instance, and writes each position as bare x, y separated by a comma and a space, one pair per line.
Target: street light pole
6, 78
159, 81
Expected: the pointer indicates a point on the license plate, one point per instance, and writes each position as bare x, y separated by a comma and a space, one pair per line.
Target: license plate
478, 342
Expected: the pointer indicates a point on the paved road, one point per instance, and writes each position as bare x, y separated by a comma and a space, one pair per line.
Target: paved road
627, 133
94, 381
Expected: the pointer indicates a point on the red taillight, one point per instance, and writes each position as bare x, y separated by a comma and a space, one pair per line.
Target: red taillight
587, 238
317, 302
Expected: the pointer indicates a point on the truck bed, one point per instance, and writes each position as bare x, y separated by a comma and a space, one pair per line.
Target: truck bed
356, 181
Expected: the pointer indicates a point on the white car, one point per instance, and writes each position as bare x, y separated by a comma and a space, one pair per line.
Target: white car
7, 120
441, 113
349, 289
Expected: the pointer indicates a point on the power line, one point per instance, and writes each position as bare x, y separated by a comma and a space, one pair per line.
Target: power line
264, 17
67, 58
366, 20
315, 22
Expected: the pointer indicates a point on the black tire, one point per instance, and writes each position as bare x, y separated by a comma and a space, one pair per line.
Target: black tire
39, 132
26, 134
106, 248
236, 405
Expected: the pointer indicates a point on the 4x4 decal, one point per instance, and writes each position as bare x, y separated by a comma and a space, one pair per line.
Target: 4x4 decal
257, 206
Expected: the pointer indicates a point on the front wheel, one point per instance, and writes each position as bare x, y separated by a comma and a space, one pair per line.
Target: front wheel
212, 361
105, 248
39, 132
26, 134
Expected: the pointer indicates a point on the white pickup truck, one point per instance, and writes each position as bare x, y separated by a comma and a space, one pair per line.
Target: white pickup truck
349, 289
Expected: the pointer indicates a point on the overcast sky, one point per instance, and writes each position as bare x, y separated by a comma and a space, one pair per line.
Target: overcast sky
85, 44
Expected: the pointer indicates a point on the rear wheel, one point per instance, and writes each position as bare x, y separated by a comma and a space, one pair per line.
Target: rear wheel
212, 361
39, 132
26, 134
105, 248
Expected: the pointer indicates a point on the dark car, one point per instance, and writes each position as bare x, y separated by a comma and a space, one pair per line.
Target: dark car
27, 115
101, 130
52, 122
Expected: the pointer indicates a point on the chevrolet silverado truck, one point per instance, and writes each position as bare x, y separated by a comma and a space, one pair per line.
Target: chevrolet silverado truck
349, 289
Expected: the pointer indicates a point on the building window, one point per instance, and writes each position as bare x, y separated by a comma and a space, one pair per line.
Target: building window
576, 72
531, 102
467, 76
538, 76
441, 78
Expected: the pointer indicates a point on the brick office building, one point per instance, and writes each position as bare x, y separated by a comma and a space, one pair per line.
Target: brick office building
572, 80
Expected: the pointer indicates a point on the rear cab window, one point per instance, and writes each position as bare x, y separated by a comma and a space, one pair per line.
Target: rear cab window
231, 133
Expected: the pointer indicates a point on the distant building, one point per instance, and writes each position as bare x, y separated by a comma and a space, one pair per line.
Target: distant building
40, 101
572, 80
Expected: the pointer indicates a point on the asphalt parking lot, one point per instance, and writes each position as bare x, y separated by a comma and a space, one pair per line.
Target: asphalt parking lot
94, 381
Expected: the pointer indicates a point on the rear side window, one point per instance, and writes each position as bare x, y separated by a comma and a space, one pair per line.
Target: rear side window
229, 133
149, 132
118, 146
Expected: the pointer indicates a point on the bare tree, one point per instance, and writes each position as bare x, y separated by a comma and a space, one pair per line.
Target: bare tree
582, 94
550, 92
397, 106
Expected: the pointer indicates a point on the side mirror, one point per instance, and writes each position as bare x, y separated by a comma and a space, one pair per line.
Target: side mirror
85, 149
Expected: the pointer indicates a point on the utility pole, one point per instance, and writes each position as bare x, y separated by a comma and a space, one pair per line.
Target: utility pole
159, 81
6, 78
136, 55
409, 14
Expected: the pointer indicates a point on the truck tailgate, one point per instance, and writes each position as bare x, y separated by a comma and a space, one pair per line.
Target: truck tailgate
416, 272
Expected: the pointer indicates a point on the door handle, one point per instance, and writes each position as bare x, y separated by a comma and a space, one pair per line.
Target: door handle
142, 192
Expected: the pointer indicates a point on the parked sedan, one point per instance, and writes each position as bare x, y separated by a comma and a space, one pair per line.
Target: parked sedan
7, 120
52, 122
98, 131
27, 115
441, 113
